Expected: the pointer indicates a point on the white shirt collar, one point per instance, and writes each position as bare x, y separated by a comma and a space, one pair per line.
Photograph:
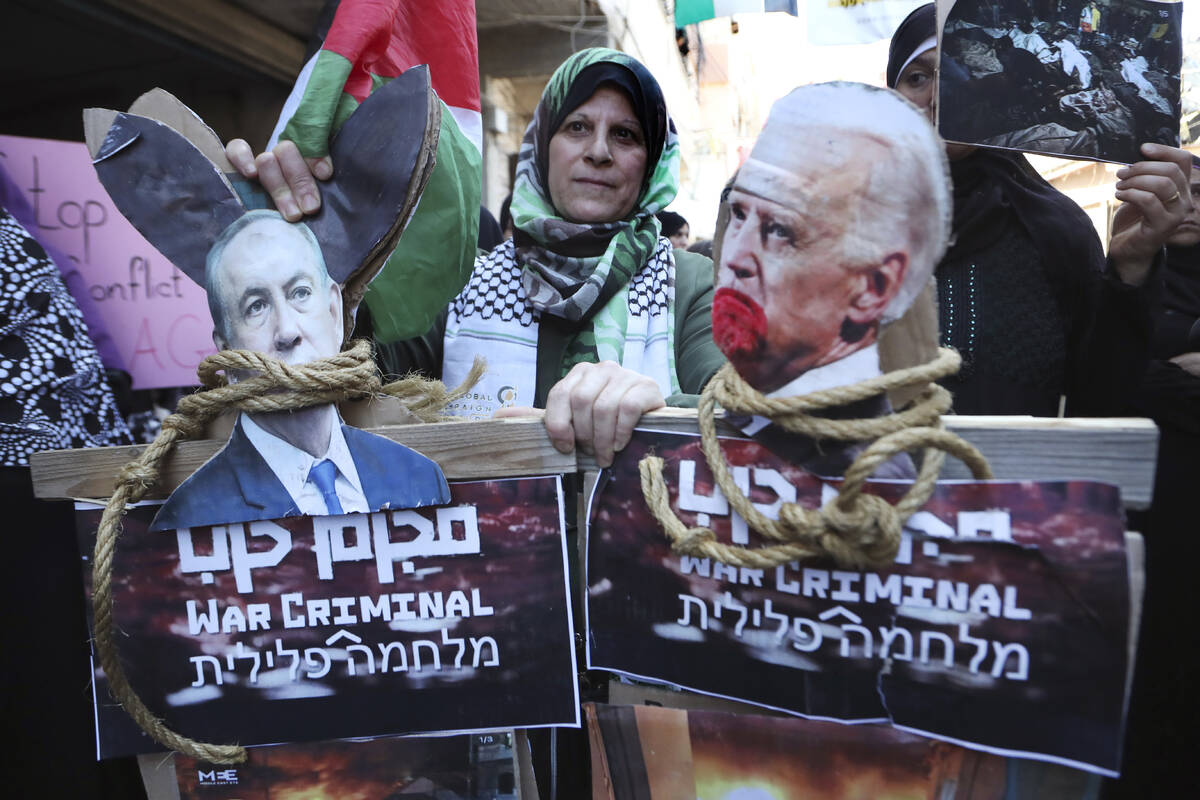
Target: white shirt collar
858, 366
292, 465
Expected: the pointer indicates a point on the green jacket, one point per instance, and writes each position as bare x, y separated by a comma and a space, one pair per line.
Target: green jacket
696, 356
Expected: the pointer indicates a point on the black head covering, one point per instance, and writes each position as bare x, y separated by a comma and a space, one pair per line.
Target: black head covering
916, 28
989, 180
1181, 280
490, 234
638, 86
506, 214
671, 222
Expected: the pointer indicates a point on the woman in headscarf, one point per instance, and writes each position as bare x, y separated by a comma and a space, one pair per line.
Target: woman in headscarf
587, 311
53, 395
1025, 292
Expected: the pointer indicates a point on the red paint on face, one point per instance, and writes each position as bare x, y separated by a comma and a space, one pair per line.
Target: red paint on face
739, 326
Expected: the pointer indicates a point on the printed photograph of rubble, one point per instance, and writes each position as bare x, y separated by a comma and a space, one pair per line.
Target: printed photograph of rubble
1082, 78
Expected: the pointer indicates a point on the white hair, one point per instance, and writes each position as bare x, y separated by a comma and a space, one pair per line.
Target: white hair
907, 204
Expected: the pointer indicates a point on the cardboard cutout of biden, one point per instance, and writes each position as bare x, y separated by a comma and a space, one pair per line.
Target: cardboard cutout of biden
281, 289
835, 224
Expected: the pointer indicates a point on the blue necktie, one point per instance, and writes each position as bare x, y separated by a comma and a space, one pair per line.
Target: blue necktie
323, 475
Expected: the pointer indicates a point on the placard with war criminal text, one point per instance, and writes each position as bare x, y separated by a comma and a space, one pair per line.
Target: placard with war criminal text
425, 620
1002, 625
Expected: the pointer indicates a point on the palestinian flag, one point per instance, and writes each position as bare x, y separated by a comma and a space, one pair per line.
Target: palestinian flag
368, 43
690, 11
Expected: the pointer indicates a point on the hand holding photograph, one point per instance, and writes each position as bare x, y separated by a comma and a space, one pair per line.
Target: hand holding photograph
1090, 79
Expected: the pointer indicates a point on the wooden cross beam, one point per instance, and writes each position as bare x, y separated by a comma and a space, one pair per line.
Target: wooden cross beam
1118, 451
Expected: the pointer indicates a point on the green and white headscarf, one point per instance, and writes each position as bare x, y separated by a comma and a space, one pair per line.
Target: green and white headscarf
614, 280
572, 269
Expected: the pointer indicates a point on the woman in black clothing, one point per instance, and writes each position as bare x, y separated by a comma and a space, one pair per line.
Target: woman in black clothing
1165, 697
1037, 311
1025, 291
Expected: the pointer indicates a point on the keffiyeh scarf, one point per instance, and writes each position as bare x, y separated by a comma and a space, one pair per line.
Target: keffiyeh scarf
493, 317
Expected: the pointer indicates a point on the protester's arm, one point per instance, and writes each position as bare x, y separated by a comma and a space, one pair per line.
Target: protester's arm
1109, 344
1170, 394
597, 406
1155, 198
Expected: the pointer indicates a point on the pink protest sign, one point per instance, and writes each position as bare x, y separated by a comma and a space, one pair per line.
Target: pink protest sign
157, 317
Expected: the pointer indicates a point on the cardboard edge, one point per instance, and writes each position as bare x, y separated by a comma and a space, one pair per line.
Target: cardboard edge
1135, 549
96, 122
161, 106
158, 776
524, 758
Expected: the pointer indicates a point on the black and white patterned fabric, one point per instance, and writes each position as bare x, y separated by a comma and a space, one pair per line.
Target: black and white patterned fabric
53, 394
651, 287
493, 317
490, 293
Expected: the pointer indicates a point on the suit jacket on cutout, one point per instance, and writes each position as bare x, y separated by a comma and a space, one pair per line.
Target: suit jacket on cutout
236, 485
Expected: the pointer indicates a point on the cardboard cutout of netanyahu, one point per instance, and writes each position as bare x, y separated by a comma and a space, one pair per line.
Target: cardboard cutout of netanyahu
288, 290
835, 224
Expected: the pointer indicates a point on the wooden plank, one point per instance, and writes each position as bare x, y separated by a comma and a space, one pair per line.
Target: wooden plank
225, 29
465, 450
1118, 451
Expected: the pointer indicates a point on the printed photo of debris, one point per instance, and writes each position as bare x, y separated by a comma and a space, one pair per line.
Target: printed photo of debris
1082, 78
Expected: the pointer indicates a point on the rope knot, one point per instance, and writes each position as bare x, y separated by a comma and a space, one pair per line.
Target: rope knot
856, 529
800, 523
140, 476
867, 525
